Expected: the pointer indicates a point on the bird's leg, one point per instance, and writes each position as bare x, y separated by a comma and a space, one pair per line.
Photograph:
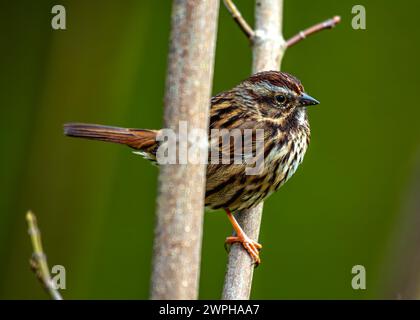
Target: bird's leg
251, 246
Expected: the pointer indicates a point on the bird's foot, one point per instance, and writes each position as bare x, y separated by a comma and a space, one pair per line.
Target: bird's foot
251, 246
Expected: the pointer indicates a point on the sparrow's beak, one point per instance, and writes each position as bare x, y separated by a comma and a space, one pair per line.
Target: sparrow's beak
307, 100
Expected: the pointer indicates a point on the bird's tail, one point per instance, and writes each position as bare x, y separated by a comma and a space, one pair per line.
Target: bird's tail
139, 139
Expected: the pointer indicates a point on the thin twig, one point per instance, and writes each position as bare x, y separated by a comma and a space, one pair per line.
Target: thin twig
38, 261
250, 33
237, 16
327, 24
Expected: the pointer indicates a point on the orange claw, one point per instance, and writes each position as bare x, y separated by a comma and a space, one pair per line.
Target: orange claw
251, 246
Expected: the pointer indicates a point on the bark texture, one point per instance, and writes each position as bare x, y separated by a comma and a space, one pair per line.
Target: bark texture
268, 49
179, 217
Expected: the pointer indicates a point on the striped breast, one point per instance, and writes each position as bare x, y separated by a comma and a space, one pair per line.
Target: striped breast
230, 187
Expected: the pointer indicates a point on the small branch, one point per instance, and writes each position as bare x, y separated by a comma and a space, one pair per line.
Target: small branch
38, 261
250, 33
236, 15
327, 24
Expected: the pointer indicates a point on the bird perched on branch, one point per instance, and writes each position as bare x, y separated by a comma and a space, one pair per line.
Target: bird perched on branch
272, 101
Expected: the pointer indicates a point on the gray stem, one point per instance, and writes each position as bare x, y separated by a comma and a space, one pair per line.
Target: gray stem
179, 217
268, 51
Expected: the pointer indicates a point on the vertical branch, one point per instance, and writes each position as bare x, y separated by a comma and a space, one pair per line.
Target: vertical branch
178, 231
269, 46
268, 50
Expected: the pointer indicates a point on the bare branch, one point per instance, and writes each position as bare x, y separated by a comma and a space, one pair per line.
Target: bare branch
327, 24
237, 16
268, 51
269, 47
240, 267
178, 231
250, 33
38, 260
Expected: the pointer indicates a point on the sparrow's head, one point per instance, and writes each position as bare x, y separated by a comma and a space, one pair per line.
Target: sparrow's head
276, 94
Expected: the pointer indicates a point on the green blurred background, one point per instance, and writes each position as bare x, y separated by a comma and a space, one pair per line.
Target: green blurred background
95, 202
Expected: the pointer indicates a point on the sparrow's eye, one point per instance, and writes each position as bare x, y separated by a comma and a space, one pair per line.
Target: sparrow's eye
280, 98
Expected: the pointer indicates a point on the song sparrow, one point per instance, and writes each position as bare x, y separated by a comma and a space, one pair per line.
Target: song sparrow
271, 100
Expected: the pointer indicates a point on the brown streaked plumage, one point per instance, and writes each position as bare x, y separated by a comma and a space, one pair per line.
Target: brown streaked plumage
273, 101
